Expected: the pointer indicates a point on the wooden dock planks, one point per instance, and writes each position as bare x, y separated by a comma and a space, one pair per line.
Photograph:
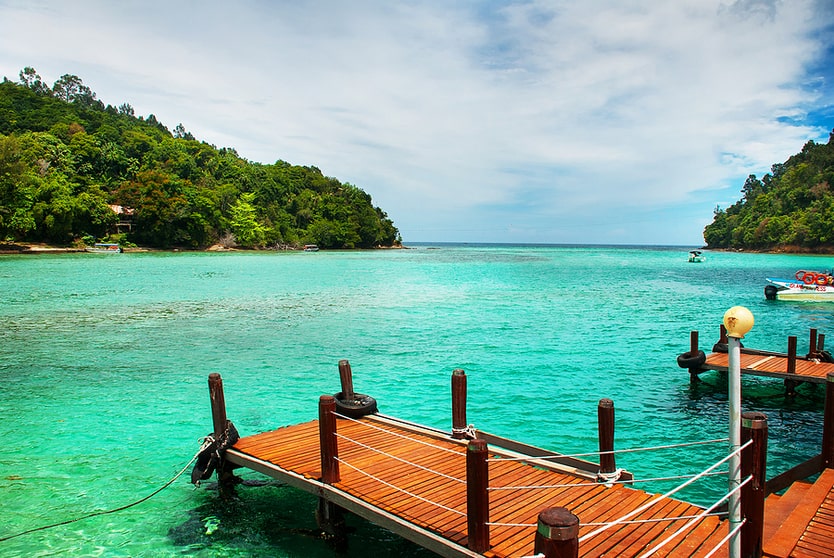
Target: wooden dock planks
808, 532
773, 366
431, 496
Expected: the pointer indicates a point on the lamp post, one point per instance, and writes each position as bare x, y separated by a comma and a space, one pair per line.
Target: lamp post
738, 320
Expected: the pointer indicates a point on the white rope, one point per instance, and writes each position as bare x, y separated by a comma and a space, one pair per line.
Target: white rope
632, 522
729, 536
363, 423
692, 522
571, 485
592, 453
207, 441
468, 431
401, 460
388, 484
657, 519
663, 496
539, 555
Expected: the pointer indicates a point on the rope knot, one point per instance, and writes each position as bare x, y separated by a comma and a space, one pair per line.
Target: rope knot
468, 431
608, 479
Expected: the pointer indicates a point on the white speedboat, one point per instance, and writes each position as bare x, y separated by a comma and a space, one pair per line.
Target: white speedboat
805, 286
696, 256
104, 248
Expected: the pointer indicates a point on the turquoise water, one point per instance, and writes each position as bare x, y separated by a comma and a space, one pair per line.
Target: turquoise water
104, 363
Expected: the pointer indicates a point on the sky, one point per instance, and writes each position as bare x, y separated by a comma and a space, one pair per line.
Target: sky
598, 122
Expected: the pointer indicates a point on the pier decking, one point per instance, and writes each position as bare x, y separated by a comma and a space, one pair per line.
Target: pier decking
412, 481
773, 366
794, 369
469, 493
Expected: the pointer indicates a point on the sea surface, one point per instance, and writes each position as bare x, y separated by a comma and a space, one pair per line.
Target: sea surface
104, 362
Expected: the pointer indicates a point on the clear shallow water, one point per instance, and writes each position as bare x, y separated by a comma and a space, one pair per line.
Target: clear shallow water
104, 361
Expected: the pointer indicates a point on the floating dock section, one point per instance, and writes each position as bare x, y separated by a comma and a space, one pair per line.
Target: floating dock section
793, 369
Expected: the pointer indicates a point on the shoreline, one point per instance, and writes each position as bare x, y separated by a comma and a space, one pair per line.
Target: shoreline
14, 249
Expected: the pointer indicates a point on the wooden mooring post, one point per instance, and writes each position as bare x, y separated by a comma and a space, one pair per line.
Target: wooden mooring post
329, 516
557, 534
828, 424
226, 479
790, 385
607, 459
459, 431
754, 465
693, 350
477, 495
346, 380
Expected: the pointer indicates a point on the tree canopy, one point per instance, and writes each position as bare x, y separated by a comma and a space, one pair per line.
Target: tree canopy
790, 208
67, 159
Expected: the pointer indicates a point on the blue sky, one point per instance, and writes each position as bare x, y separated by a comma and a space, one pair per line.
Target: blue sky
603, 122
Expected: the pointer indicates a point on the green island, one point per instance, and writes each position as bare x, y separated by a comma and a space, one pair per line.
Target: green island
790, 209
74, 171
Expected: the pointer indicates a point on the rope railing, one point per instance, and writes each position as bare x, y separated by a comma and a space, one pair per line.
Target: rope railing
407, 462
397, 488
593, 453
690, 523
662, 497
398, 435
733, 532
400, 459
630, 522
581, 484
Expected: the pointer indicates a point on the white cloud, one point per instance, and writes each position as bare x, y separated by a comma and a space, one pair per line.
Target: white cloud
528, 121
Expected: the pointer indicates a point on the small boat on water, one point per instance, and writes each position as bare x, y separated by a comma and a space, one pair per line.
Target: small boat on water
696, 256
805, 286
311, 248
104, 248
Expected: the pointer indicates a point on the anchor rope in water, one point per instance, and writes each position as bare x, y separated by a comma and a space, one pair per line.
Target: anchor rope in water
206, 442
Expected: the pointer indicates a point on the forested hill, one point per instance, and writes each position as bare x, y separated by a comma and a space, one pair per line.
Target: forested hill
791, 208
69, 164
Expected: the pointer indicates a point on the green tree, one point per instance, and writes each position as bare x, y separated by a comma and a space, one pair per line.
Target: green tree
30, 79
64, 158
244, 223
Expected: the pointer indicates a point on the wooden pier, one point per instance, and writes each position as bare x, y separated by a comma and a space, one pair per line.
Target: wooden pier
793, 369
468, 493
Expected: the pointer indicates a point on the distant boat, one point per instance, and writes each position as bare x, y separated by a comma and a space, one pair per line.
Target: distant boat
806, 286
695, 256
311, 248
104, 248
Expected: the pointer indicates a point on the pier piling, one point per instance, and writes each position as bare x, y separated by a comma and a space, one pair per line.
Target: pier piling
693, 350
754, 465
828, 424
459, 431
346, 379
607, 459
790, 385
329, 516
327, 440
226, 479
557, 534
477, 495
